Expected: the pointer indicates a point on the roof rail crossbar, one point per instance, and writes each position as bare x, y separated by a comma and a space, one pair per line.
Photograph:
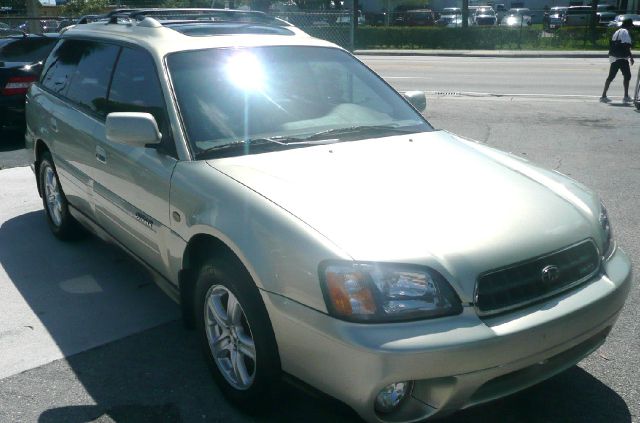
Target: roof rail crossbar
113, 19
213, 14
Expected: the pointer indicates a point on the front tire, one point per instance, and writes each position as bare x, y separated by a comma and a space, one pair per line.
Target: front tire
55, 203
236, 335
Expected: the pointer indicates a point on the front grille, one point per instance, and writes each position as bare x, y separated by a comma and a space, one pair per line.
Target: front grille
524, 283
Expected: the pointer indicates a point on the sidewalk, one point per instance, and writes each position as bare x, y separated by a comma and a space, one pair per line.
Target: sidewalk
586, 54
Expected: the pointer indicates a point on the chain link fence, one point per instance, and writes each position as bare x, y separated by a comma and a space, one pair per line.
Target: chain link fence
422, 28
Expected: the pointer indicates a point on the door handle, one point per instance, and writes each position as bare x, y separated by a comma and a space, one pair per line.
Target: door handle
101, 155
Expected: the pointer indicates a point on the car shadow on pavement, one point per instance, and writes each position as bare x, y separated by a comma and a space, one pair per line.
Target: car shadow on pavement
11, 140
158, 374
571, 396
161, 376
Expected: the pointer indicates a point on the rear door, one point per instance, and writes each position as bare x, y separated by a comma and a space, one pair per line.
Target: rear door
132, 183
75, 81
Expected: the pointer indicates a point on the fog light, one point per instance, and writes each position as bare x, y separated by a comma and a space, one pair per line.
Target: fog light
392, 395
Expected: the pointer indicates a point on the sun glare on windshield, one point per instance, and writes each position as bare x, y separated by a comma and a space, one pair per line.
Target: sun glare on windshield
244, 70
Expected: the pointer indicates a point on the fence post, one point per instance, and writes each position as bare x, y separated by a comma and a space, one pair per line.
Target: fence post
354, 25
33, 23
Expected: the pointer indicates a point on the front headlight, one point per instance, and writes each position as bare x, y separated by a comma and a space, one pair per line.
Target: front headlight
608, 245
379, 292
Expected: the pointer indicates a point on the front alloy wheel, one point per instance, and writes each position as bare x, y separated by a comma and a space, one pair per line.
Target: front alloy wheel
236, 334
230, 338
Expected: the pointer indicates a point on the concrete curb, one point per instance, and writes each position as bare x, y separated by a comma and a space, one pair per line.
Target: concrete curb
524, 54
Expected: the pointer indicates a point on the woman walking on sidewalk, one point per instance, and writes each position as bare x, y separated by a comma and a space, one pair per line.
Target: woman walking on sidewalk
620, 57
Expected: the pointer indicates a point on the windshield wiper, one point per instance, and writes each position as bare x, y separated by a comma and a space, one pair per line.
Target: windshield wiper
261, 143
354, 129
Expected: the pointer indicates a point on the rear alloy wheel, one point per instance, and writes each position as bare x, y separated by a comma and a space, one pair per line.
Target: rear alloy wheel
236, 334
56, 207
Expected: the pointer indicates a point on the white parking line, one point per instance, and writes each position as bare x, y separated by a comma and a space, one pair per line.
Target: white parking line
59, 299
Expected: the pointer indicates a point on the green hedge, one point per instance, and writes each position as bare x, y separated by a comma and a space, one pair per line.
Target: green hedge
484, 38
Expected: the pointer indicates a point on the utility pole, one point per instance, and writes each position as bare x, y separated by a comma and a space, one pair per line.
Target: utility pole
465, 13
354, 24
594, 20
33, 13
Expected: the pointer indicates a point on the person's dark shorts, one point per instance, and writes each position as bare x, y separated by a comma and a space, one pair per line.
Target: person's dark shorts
623, 65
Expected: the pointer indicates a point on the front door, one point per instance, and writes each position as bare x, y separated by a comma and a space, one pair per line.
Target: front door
132, 184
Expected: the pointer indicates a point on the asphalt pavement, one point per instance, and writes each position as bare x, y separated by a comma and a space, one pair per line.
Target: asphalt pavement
85, 336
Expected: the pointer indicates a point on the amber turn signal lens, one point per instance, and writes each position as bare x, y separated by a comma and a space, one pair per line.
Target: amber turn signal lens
350, 294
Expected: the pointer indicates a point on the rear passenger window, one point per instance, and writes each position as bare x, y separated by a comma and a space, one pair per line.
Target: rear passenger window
61, 65
90, 81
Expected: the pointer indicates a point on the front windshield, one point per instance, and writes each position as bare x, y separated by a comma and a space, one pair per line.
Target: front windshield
287, 95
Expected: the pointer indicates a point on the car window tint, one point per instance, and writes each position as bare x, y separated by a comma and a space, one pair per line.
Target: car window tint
27, 50
90, 81
61, 65
135, 86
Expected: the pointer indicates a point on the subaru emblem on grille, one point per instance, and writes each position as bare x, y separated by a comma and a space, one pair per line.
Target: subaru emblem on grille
550, 274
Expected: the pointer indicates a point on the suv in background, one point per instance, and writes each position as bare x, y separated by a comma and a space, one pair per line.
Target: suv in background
517, 17
485, 16
578, 16
556, 17
309, 220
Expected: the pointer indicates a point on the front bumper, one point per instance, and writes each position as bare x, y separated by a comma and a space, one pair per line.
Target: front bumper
456, 362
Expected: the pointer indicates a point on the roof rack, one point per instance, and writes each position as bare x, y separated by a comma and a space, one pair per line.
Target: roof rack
210, 15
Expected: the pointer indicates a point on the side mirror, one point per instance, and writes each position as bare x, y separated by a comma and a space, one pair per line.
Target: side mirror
134, 129
417, 99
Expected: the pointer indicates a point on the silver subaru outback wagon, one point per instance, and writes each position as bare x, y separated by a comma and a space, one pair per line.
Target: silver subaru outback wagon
312, 223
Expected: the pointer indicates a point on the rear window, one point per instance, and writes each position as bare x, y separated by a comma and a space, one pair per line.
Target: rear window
26, 49
579, 10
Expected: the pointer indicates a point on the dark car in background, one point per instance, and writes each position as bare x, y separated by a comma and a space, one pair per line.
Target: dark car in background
556, 17
21, 58
45, 25
413, 17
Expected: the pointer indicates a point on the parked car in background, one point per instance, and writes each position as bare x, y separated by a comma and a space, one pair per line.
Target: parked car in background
578, 16
46, 26
556, 17
485, 15
21, 58
419, 17
450, 17
617, 22
605, 18
606, 13
517, 17
346, 17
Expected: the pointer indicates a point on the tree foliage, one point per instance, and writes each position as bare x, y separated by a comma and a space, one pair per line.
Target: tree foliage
84, 7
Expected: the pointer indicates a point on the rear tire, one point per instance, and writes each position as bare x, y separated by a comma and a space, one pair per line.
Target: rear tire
236, 335
55, 203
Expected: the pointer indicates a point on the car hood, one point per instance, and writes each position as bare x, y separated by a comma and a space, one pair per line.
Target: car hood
432, 199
